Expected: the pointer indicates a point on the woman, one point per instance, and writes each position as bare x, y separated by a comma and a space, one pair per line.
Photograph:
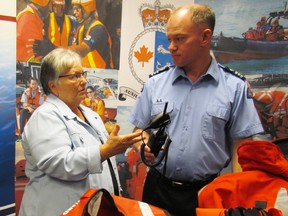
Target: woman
66, 146
94, 102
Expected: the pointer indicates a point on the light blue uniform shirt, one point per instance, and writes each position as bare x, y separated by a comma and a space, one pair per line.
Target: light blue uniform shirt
205, 117
62, 158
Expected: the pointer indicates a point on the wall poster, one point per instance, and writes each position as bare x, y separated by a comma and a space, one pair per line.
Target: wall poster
56, 24
250, 37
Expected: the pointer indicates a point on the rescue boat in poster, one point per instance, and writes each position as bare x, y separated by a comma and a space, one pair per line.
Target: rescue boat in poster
267, 40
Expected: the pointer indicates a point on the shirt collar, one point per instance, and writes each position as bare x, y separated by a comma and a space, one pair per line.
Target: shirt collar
63, 108
177, 74
212, 71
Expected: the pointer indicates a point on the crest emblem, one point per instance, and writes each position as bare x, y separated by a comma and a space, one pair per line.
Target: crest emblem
149, 50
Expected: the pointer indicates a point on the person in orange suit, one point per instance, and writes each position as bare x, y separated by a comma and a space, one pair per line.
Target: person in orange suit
30, 27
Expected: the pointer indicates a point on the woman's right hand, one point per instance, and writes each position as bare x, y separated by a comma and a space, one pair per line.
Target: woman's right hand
117, 144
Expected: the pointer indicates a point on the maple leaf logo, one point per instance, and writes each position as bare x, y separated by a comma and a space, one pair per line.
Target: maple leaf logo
144, 55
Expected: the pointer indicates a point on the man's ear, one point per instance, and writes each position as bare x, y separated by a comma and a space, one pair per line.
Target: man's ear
206, 37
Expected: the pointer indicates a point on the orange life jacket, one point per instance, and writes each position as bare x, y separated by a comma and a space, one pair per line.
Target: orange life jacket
103, 203
34, 101
56, 37
93, 59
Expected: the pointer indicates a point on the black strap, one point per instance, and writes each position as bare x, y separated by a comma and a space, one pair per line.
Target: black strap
115, 184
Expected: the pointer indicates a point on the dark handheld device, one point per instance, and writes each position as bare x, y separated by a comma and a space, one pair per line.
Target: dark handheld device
156, 141
157, 137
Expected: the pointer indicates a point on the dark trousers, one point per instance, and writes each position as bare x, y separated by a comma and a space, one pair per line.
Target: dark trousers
177, 199
24, 116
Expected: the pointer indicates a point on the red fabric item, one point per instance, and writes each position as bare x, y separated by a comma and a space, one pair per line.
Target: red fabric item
265, 171
221, 212
262, 155
29, 26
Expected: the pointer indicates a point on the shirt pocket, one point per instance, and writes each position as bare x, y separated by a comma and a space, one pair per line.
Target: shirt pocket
214, 122
77, 139
159, 107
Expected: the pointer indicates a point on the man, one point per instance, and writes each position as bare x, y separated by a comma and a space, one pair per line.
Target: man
31, 99
59, 26
30, 27
210, 109
92, 40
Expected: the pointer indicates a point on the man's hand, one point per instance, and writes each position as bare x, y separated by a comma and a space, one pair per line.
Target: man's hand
149, 157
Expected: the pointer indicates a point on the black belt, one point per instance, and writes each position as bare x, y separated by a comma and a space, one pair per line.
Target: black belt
197, 185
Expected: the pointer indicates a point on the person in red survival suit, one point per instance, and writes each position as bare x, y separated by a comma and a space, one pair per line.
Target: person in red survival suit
30, 26
264, 181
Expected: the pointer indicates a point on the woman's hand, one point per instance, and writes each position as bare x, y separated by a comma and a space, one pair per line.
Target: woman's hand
117, 144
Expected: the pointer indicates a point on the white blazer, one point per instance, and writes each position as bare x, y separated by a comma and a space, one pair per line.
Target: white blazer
62, 158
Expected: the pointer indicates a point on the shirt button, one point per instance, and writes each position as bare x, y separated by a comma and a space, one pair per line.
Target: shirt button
185, 128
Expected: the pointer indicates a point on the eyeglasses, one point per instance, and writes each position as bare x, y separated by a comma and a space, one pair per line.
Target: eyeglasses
75, 76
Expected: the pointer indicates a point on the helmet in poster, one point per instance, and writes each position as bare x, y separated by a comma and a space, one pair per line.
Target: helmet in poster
88, 5
40, 2
58, 2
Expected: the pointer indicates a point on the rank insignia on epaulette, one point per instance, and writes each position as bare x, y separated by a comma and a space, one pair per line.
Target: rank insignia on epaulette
231, 71
160, 71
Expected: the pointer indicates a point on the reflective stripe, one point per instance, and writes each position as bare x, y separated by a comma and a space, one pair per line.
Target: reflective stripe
145, 209
85, 1
28, 9
282, 201
7, 206
67, 27
93, 59
52, 27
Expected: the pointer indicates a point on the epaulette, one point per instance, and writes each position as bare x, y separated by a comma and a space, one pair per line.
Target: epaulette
160, 71
231, 71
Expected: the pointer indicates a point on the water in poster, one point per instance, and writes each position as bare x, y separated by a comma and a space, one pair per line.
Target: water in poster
233, 18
